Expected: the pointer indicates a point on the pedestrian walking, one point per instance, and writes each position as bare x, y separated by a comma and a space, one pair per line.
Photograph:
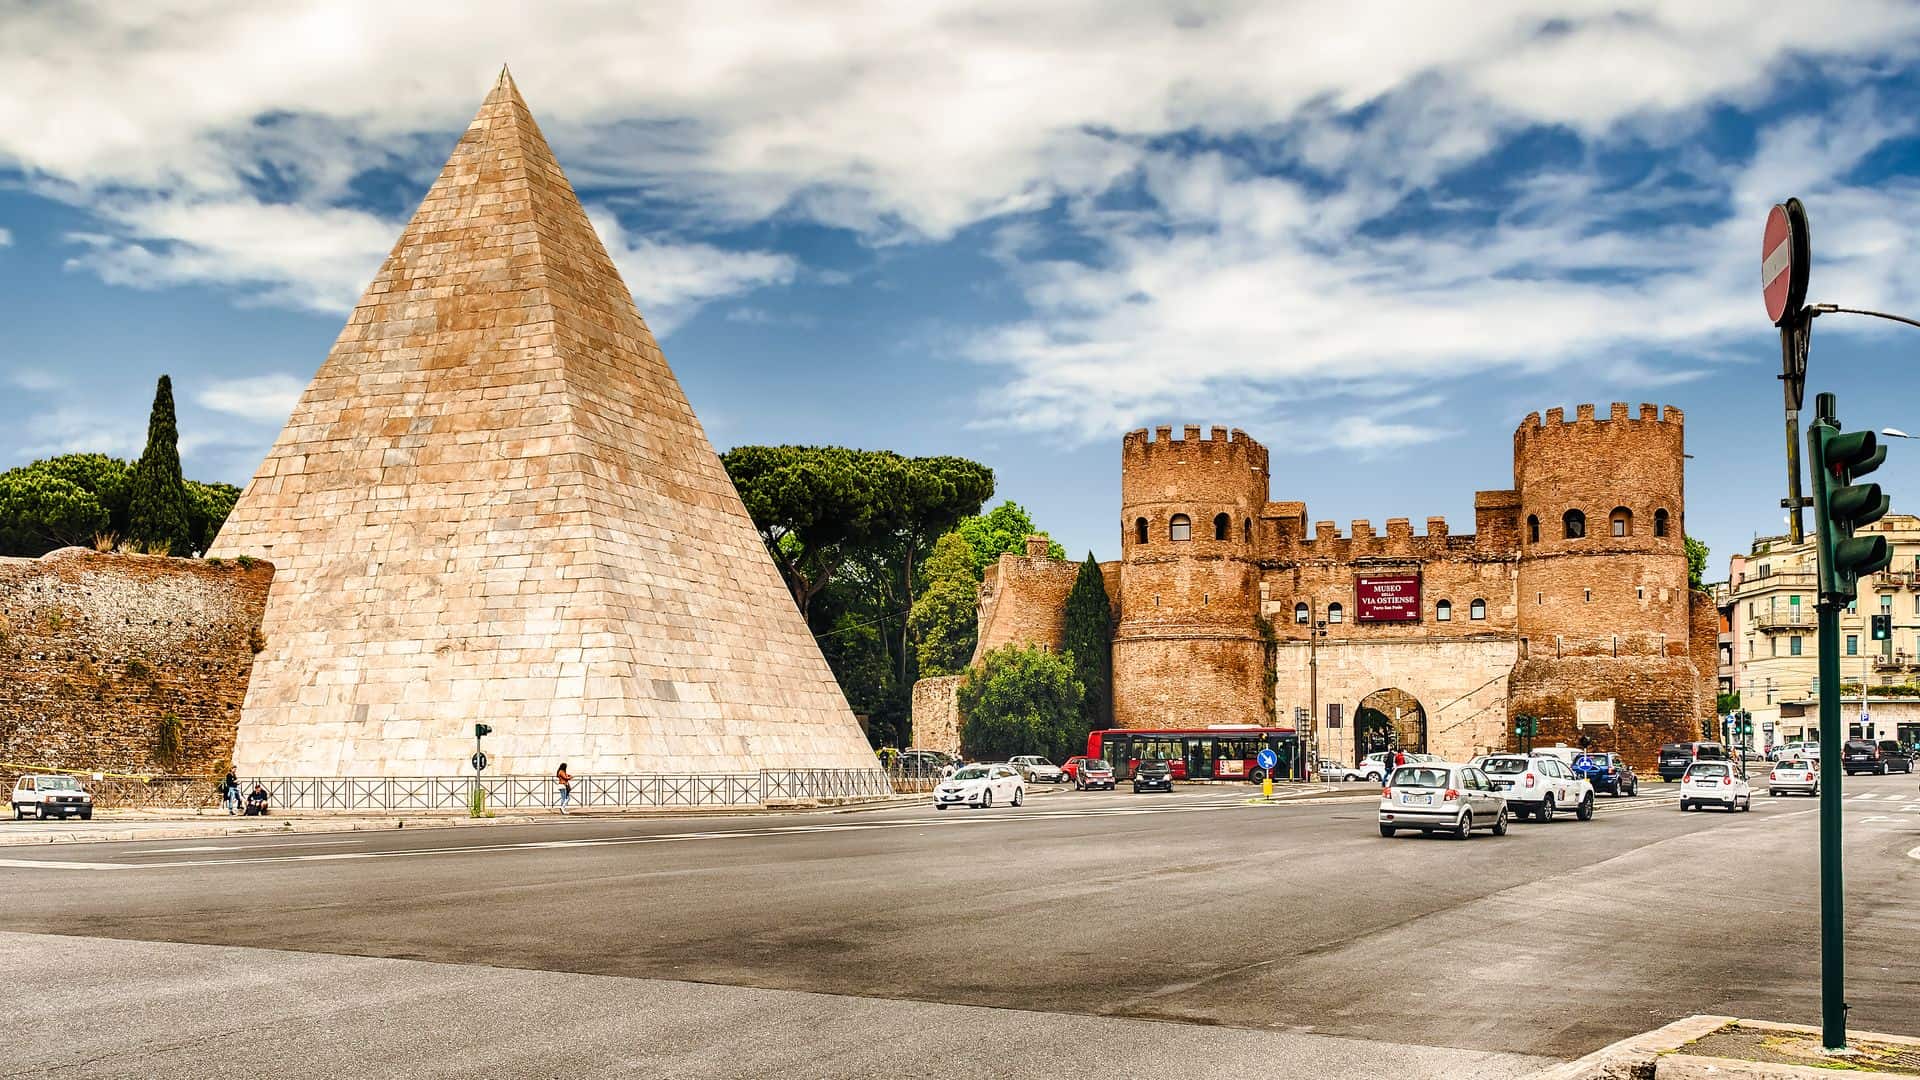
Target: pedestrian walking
230, 793
565, 781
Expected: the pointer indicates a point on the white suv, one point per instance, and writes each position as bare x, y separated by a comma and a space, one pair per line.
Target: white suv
48, 796
1539, 785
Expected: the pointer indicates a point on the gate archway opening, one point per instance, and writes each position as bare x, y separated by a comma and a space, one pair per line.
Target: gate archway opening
1389, 719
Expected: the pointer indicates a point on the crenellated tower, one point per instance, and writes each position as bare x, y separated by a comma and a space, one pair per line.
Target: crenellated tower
1187, 650
1603, 563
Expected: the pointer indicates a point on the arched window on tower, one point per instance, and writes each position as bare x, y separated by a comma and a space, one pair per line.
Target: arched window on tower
1335, 613
1246, 530
1533, 529
1140, 530
1301, 613
1477, 611
1622, 521
1575, 524
1180, 528
1443, 611
1659, 523
1222, 527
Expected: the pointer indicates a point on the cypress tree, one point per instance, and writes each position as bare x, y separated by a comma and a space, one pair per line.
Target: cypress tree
157, 511
1089, 637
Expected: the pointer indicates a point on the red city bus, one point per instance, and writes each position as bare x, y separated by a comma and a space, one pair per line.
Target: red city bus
1227, 752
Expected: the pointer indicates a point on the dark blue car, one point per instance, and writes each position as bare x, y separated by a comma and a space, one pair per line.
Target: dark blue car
1607, 772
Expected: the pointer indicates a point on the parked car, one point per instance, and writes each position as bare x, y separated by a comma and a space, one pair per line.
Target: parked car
1333, 770
1442, 797
1793, 774
1038, 770
1806, 751
1675, 757
1153, 773
922, 764
1608, 772
46, 796
1538, 786
1898, 758
980, 786
1091, 772
1717, 783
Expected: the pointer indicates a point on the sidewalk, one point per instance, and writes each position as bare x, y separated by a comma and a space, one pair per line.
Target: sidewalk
120, 825
1726, 1048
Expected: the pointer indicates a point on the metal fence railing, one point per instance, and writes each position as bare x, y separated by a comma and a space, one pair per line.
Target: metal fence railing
540, 792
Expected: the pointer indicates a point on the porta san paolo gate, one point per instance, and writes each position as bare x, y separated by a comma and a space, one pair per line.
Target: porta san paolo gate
494, 505
1569, 601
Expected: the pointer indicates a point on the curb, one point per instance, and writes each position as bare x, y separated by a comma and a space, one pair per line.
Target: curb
1634, 1057
216, 829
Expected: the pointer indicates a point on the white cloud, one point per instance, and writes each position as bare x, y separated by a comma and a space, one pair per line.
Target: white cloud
35, 380
1205, 283
263, 399
6, 238
671, 281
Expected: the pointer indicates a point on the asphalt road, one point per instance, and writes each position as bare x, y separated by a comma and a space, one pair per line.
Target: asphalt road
1136, 926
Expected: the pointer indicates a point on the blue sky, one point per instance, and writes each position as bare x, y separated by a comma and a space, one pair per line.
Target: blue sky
1375, 236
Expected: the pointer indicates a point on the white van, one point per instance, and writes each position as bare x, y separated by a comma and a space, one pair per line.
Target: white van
46, 796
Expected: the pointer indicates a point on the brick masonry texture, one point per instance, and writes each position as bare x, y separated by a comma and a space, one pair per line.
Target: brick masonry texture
1205, 554
97, 649
494, 504
936, 713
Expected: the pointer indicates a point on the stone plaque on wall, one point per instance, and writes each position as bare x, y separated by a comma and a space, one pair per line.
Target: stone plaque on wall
1594, 713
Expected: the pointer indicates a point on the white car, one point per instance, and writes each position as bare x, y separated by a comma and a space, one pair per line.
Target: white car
1793, 774
1539, 786
981, 786
51, 796
1441, 797
1038, 770
1336, 770
1717, 783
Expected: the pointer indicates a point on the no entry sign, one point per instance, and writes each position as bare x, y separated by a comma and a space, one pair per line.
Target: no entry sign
1387, 598
1783, 261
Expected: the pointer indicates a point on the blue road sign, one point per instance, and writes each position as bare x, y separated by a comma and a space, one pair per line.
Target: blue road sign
1266, 758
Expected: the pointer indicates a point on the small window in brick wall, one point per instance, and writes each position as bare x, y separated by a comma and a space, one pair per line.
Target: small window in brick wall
1574, 524
1180, 528
1533, 529
1300, 614
1477, 610
1246, 529
1660, 525
1140, 531
1443, 611
1335, 613
1622, 521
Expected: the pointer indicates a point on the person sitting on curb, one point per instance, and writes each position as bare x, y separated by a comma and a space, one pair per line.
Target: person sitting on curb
257, 800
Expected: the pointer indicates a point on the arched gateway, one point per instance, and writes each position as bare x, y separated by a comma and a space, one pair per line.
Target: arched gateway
1389, 718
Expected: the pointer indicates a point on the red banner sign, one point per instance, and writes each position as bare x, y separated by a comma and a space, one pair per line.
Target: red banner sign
1387, 598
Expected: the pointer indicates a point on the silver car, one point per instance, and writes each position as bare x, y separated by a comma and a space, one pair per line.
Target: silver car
1441, 797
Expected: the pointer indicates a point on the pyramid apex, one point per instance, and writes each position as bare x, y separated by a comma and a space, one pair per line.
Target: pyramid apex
504, 89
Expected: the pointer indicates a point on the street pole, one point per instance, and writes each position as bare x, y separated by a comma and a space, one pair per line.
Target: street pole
1313, 678
1833, 938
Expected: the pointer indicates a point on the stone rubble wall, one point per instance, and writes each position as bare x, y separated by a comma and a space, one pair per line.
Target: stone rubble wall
96, 650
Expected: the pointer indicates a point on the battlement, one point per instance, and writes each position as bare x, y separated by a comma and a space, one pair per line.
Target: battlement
1362, 540
1222, 446
1584, 416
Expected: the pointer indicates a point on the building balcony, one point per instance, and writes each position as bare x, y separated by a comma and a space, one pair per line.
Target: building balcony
1897, 579
1778, 621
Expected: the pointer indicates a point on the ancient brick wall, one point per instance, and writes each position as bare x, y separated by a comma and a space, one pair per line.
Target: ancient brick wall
1650, 700
936, 713
96, 650
1704, 644
1196, 680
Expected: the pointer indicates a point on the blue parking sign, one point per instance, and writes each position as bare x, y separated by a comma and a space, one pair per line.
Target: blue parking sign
1267, 759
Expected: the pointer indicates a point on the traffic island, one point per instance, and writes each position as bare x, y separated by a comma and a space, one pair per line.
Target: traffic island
1727, 1048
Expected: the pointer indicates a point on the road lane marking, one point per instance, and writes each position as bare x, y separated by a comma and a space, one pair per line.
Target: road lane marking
611, 841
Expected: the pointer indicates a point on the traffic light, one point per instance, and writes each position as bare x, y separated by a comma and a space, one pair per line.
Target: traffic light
1882, 628
1526, 725
1840, 506
481, 730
